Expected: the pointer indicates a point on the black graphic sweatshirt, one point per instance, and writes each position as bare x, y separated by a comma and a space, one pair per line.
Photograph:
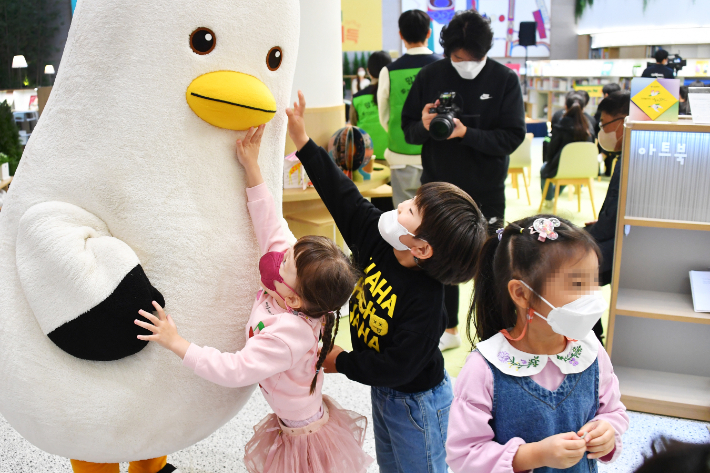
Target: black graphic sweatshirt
397, 314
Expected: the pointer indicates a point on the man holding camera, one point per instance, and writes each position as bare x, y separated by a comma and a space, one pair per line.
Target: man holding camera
660, 70
489, 123
479, 121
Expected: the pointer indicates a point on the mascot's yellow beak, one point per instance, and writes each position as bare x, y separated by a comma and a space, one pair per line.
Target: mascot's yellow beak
231, 100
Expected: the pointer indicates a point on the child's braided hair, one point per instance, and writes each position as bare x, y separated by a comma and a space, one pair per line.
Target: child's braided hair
326, 279
328, 342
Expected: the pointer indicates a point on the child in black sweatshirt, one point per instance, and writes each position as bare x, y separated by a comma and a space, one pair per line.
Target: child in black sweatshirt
397, 313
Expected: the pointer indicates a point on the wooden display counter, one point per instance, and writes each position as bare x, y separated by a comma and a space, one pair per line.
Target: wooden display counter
379, 177
306, 213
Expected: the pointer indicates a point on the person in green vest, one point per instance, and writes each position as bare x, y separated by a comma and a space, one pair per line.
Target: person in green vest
395, 81
364, 113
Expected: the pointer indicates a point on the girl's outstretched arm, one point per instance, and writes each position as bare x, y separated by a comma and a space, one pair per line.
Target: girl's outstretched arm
270, 352
164, 331
248, 155
267, 224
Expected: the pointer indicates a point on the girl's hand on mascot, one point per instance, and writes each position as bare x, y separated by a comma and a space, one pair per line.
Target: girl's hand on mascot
296, 123
164, 331
248, 155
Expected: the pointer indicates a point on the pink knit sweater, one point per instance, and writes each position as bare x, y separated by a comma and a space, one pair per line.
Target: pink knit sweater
282, 350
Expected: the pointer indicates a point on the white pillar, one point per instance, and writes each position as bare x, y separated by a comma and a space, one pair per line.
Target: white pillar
319, 69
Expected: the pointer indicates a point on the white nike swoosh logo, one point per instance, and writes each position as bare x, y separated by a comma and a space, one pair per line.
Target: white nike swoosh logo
485, 97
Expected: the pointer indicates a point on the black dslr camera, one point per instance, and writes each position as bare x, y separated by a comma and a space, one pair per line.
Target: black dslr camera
676, 63
443, 124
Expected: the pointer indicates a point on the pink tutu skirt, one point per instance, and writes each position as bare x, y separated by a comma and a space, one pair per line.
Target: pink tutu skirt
332, 444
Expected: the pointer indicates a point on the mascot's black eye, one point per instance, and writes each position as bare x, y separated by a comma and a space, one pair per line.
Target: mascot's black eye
203, 41
273, 59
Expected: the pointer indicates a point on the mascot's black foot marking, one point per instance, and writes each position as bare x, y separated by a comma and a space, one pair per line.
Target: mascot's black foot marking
169, 469
107, 332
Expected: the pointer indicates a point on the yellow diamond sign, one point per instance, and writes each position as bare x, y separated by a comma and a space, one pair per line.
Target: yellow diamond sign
654, 100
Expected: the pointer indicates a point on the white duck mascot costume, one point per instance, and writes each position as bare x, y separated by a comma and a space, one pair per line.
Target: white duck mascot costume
128, 192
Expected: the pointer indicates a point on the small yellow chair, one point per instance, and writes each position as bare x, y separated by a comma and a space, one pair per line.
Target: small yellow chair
578, 166
519, 160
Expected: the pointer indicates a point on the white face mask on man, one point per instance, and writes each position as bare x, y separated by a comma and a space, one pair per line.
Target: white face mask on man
608, 139
469, 69
576, 319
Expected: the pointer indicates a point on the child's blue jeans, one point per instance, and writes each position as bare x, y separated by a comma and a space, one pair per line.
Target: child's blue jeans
410, 428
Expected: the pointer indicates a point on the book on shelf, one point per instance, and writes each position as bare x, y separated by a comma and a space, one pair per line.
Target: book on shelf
700, 287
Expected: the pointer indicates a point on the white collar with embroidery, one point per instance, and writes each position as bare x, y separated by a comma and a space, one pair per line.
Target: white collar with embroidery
577, 357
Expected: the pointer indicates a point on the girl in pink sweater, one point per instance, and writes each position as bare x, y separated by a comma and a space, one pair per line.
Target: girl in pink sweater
539, 392
304, 287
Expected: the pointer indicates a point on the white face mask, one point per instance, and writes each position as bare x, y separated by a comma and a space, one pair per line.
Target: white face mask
576, 319
391, 230
361, 73
469, 69
608, 139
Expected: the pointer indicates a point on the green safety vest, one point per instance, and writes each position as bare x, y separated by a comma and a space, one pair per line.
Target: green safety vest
368, 118
401, 81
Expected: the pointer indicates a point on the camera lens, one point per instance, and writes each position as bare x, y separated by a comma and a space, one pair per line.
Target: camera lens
441, 127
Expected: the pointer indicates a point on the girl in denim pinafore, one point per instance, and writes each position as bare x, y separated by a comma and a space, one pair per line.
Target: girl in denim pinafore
539, 392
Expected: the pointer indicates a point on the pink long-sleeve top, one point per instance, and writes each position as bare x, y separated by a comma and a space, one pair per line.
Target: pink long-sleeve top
470, 446
282, 347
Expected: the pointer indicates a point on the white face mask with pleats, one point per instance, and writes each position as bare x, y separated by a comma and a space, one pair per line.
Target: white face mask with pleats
391, 230
469, 69
608, 139
576, 319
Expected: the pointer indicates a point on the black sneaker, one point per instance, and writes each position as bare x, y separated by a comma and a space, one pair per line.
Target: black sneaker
168, 468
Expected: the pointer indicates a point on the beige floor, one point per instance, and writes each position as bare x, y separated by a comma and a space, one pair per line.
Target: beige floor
517, 208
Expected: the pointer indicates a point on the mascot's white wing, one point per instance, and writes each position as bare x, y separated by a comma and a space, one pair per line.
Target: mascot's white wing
85, 287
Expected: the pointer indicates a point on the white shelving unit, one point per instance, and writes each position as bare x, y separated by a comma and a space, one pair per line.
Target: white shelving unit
547, 95
544, 76
658, 344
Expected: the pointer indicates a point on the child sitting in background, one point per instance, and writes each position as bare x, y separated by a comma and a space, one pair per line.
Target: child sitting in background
304, 288
539, 393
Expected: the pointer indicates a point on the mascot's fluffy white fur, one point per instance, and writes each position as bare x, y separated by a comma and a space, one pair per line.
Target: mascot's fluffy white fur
124, 195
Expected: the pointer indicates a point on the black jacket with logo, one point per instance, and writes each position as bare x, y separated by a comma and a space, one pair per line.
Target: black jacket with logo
658, 71
397, 314
492, 109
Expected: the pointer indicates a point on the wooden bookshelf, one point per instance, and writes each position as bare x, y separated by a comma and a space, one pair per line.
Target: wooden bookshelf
659, 305
671, 394
660, 223
661, 342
